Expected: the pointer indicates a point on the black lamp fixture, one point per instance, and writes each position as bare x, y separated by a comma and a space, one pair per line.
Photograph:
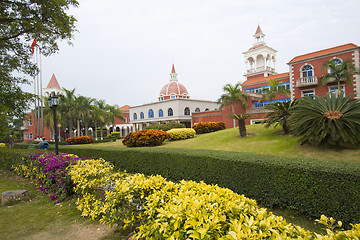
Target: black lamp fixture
53, 102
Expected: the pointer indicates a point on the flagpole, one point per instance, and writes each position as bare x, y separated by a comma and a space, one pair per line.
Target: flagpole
41, 99
38, 91
35, 117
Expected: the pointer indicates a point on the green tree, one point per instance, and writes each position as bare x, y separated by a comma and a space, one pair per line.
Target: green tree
234, 95
279, 114
67, 109
327, 121
338, 72
113, 112
274, 88
100, 115
82, 106
21, 21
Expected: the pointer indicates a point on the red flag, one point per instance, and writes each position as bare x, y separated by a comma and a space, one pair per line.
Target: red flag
33, 45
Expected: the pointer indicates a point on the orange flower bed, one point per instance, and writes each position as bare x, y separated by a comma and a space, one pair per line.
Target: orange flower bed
207, 127
145, 138
80, 140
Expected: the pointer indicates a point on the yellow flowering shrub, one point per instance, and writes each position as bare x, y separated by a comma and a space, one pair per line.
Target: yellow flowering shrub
159, 209
2, 145
181, 133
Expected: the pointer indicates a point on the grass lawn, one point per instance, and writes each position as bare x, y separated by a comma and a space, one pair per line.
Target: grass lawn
259, 140
36, 217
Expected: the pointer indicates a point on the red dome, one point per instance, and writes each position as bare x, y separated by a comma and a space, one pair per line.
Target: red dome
173, 88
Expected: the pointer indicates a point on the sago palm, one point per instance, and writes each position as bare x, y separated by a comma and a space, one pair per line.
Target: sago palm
279, 114
329, 121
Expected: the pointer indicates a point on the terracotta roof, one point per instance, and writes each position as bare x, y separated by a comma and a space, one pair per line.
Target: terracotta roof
324, 52
173, 88
256, 46
53, 83
258, 30
125, 107
173, 69
263, 79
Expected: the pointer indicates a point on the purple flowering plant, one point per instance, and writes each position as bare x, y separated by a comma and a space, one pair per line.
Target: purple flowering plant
50, 173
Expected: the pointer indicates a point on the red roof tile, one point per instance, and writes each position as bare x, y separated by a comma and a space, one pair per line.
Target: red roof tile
125, 107
256, 46
324, 52
263, 79
258, 30
53, 83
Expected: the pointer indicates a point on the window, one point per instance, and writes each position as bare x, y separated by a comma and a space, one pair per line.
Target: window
307, 71
151, 113
135, 116
197, 110
30, 123
161, 113
187, 111
162, 99
128, 120
124, 120
206, 109
141, 115
184, 96
25, 136
30, 136
170, 112
172, 97
334, 89
25, 123
337, 63
308, 93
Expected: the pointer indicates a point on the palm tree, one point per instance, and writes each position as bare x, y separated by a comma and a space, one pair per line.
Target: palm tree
83, 107
67, 109
232, 96
275, 88
100, 115
112, 113
279, 114
338, 72
97, 116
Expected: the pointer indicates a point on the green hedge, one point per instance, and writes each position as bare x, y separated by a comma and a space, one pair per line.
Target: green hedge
10, 157
310, 186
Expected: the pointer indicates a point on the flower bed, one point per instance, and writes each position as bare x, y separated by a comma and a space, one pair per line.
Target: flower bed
207, 127
80, 140
145, 138
181, 133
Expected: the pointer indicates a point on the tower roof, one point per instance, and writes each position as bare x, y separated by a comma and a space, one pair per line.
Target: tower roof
173, 69
173, 88
258, 30
53, 83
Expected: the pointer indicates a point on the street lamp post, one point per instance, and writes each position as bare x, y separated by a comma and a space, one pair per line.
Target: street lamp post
53, 102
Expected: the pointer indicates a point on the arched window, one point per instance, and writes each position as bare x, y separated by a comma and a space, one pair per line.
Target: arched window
135, 116
337, 63
206, 109
197, 109
141, 115
151, 113
170, 112
307, 71
187, 111
161, 113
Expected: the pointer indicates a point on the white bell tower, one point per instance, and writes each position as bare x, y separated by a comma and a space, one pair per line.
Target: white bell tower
260, 58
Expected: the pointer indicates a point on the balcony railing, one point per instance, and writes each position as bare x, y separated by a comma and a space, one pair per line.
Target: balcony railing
259, 69
23, 128
307, 81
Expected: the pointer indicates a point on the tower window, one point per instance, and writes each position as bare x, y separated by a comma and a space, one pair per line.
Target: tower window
161, 113
151, 113
187, 111
197, 110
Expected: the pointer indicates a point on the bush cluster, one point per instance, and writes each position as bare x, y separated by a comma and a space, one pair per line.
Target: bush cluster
181, 133
49, 172
207, 127
159, 209
166, 126
80, 140
145, 138
299, 184
113, 136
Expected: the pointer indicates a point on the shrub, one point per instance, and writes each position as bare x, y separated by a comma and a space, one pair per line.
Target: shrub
181, 133
328, 121
300, 184
49, 172
113, 136
166, 126
207, 127
145, 138
2, 145
80, 140
160, 209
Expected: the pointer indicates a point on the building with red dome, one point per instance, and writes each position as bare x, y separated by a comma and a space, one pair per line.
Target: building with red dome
174, 105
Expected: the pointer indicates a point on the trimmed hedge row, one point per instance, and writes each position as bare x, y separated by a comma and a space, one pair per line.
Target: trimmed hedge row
311, 187
145, 138
181, 133
80, 140
13, 157
208, 127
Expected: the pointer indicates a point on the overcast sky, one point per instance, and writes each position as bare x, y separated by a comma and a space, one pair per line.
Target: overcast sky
124, 49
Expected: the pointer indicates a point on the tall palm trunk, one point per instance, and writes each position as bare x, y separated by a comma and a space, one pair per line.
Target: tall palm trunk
78, 127
96, 131
242, 128
70, 128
